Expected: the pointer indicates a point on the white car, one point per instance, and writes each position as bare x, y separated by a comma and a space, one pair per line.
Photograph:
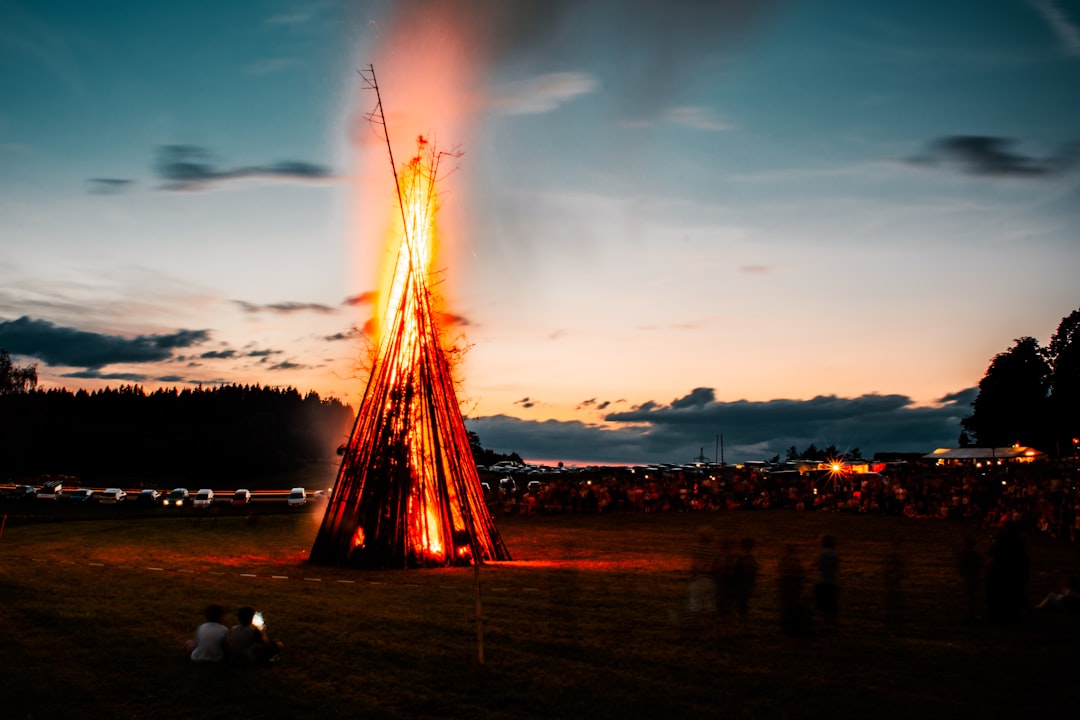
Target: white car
203, 498
297, 497
112, 496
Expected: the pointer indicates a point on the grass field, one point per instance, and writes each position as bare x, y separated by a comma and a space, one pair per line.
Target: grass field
589, 622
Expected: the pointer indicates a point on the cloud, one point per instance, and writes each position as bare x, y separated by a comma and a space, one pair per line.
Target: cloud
594, 404
188, 168
756, 269
218, 355
57, 345
1067, 31
351, 334
364, 298
542, 93
262, 353
286, 365
108, 186
991, 156
285, 308
448, 320
679, 430
698, 118
96, 375
525, 402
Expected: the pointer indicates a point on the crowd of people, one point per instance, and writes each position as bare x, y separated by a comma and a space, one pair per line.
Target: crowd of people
1044, 496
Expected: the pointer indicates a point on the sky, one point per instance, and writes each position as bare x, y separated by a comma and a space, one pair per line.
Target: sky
668, 228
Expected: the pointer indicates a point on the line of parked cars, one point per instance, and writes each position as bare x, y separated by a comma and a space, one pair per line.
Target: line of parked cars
176, 498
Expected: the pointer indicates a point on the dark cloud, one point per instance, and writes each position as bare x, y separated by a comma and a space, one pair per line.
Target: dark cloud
678, 431
286, 365
108, 186
284, 308
525, 402
189, 167
218, 355
95, 375
991, 156
698, 398
262, 353
350, 334
445, 319
594, 404
364, 298
57, 345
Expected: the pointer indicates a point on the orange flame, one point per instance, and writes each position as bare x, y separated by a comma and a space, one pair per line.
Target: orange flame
408, 476
413, 237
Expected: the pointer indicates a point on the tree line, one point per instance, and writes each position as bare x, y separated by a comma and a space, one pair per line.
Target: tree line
189, 435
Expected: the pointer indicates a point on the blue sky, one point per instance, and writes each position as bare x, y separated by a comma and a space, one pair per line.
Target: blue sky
786, 222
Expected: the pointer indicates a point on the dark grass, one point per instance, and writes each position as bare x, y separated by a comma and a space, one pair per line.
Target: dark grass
590, 622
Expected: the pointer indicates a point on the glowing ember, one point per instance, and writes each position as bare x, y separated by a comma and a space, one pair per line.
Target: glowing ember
407, 492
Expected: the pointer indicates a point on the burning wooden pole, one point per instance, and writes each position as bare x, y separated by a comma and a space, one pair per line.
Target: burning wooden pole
408, 493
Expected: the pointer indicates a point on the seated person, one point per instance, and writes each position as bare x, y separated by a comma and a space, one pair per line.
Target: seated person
209, 642
248, 644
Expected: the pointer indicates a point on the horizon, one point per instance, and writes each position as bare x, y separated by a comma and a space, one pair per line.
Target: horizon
789, 223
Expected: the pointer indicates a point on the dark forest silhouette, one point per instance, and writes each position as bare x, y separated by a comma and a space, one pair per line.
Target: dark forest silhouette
230, 432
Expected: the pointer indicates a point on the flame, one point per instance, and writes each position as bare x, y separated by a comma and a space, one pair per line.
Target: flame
407, 477
413, 236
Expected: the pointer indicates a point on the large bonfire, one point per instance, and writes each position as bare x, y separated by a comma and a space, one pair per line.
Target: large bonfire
407, 492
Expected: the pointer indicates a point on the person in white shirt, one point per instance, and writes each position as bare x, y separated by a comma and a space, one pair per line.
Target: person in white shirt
209, 642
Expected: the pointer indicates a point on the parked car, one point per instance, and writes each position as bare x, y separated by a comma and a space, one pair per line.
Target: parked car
81, 495
241, 497
297, 497
22, 492
149, 496
177, 498
203, 498
112, 496
51, 490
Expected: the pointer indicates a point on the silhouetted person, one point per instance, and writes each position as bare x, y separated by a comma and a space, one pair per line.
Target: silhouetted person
724, 576
790, 584
564, 598
247, 643
703, 589
970, 564
827, 588
744, 578
208, 644
1007, 577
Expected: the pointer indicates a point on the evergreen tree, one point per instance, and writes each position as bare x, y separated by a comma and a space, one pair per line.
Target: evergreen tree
1013, 401
1063, 354
15, 379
